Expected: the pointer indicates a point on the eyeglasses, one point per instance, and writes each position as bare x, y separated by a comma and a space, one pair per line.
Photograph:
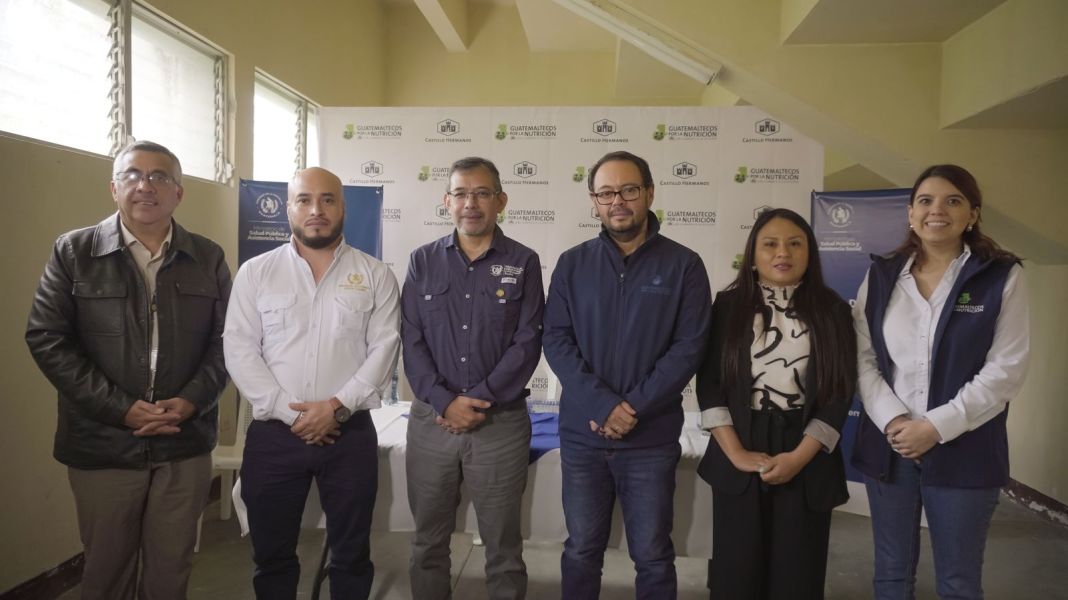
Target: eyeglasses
479, 195
628, 193
135, 177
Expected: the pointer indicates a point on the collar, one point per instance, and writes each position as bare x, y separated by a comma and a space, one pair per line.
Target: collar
108, 238
129, 239
906, 270
294, 251
496, 244
652, 229
774, 293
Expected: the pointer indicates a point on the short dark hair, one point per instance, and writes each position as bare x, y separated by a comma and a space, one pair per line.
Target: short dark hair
623, 155
473, 162
147, 146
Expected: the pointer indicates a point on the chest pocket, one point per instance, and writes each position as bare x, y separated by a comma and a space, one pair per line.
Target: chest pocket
101, 306
352, 313
275, 314
433, 303
502, 305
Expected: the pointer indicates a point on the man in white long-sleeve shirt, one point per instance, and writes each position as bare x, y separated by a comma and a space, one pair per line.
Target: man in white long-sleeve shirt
311, 340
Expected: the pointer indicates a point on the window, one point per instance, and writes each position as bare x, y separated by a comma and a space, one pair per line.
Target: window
285, 134
65, 78
54, 71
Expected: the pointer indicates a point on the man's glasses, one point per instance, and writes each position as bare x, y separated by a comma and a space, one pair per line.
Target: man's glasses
134, 177
479, 195
628, 193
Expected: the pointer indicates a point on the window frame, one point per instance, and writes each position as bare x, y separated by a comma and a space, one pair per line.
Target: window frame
304, 104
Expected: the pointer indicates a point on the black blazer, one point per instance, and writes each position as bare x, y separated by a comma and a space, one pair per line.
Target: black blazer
824, 476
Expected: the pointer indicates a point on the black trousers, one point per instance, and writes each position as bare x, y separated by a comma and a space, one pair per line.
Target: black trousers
766, 543
276, 474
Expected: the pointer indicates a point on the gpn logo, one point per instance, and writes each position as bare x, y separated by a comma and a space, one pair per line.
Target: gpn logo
579, 175
684, 170
502, 131
525, 169
372, 168
964, 298
604, 127
501, 217
350, 130
448, 127
424, 173
767, 127
741, 175
661, 131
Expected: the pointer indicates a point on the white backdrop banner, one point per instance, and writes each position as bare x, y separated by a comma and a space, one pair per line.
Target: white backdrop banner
715, 169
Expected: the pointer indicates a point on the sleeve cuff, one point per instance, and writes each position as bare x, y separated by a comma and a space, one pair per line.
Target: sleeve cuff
822, 433
719, 416
883, 410
440, 398
364, 397
949, 423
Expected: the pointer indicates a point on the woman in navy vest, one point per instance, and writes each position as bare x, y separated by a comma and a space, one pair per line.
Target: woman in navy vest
774, 390
942, 336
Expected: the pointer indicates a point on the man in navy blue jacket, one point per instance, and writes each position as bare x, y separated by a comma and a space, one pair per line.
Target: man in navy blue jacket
625, 328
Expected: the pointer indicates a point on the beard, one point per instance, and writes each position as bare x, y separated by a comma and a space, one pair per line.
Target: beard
317, 242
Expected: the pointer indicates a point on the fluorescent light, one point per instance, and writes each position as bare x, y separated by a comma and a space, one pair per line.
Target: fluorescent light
645, 34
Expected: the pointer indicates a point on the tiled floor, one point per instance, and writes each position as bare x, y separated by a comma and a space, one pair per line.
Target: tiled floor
1026, 558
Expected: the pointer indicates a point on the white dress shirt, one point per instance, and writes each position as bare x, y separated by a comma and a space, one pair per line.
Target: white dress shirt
909, 330
290, 340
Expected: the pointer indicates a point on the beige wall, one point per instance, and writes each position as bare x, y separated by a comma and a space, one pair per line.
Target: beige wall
50, 190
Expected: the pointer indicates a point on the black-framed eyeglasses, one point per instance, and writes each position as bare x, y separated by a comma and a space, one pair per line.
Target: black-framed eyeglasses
134, 177
480, 195
629, 193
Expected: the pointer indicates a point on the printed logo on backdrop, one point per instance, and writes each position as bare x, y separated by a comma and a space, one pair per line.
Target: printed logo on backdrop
441, 216
525, 131
447, 130
372, 132
685, 132
593, 223
840, 215
527, 216
579, 176
371, 173
767, 175
684, 173
756, 215
268, 205
607, 130
525, 173
685, 218
769, 130
429, 173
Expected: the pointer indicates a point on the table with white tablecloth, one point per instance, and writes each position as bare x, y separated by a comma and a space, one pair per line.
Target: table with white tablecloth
543, 513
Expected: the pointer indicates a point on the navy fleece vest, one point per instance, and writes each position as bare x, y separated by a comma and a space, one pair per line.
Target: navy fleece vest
965, 331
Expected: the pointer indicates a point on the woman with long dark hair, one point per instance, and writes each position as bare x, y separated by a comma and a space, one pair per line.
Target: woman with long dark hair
942, 334
775, 390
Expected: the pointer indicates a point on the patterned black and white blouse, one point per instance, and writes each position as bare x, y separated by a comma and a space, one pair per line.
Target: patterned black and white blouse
779, 353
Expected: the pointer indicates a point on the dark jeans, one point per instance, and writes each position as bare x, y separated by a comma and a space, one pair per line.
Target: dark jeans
958, 520
276, 473
644, 481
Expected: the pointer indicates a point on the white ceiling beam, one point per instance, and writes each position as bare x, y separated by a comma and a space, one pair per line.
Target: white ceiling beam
448, 18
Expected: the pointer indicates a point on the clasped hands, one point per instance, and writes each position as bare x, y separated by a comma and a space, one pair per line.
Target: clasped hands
315, 424
463, 414
773, 470
911, 438
621, 421
160, 418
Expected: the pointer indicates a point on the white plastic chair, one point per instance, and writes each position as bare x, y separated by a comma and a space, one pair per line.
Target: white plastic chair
227, 459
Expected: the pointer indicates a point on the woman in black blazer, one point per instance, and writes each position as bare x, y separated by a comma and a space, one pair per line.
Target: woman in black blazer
774, 391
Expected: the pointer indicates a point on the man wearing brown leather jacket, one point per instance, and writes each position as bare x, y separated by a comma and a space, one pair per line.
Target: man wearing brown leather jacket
127, 325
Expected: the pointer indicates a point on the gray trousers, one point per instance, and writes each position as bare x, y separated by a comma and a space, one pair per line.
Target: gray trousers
492, 461
149, 516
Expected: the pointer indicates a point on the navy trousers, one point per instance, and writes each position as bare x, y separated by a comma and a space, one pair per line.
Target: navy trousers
276, 473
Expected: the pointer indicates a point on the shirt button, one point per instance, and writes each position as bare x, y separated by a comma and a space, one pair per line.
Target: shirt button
465, 326
463, 359
468, 296
464, 390
469, 269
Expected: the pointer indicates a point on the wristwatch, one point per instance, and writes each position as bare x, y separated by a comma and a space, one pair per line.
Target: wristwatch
341, 412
